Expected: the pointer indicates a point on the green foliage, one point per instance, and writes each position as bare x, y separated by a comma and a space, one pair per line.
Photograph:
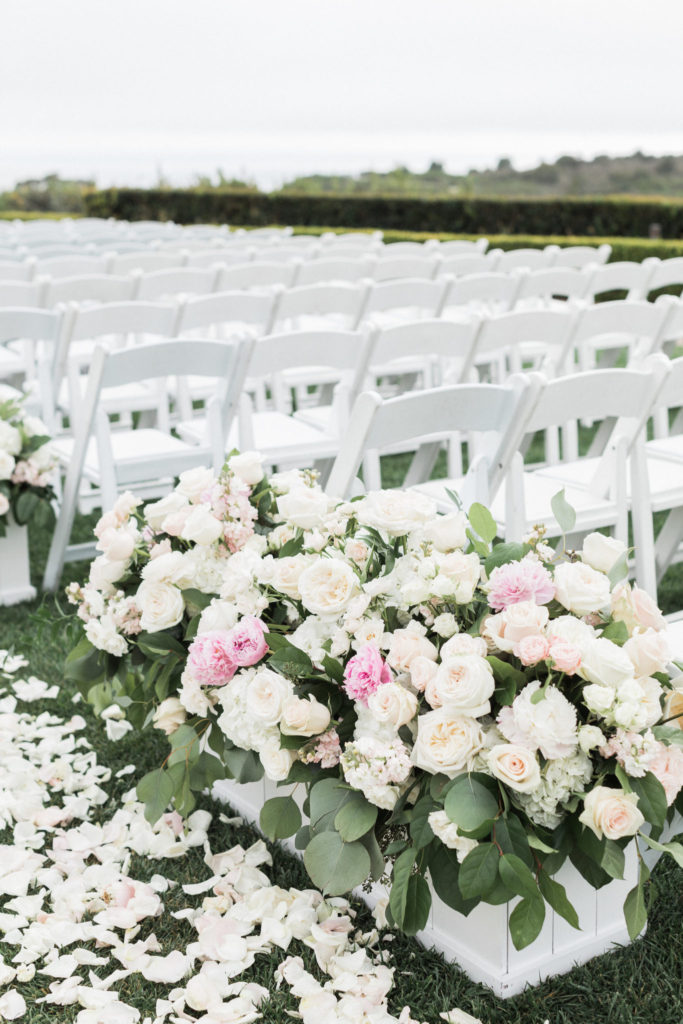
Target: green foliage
335, 866
280, 817
470, 801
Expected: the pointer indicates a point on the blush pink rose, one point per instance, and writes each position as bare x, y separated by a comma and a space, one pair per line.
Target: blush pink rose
365, 672
566, 656
246, 642
531, 649
210, 658
514, 582
667, 766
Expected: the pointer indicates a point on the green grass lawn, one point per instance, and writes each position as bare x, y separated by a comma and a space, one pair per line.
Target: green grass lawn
640, 984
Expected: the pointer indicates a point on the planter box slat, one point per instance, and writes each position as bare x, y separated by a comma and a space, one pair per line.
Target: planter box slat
15, 579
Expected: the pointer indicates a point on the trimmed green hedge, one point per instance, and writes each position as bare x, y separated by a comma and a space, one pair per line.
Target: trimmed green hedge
619, 217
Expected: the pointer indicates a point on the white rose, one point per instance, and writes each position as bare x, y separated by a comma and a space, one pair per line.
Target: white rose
649, 651
445, 625
406, 645
218, 615
4, 504
638, 703
201, 526
581, 589
169, 715
248, 466
284, 573
514, 765
393, 705
356, 550
277, 762
605, 663
327, 586
397, 513
599, 699
161, 606
446, 743
549, 725
368, 631
445, 830
266, 695
447, 532
157, 511
104, 573
601, 552
303, 717
163, 568
305, 507
7, 464
463, 643
457, 577
193, 483
10, 438
421, 671
34, 427
634, 607
611, 812
117, 544
102, 633
571, 629
462, 685
508, 627
590, 737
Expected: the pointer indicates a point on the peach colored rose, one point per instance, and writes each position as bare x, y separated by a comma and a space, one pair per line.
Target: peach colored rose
611, 812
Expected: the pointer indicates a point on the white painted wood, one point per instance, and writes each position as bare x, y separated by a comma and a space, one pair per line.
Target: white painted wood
15, 579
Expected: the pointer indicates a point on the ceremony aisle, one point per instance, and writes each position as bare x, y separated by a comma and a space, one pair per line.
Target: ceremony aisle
636, 984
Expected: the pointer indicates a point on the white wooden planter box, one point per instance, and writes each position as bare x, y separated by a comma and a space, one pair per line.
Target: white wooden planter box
15, 579
480, 944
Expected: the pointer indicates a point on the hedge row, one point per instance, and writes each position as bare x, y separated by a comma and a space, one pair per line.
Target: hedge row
620, 217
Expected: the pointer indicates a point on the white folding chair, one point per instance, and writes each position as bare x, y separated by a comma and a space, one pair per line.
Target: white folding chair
392, 250
320, 306
165, 284
664, 273
623, 328
219, 257
527, 259
21, 293
369, 241
283, 439
461, 265
22, 331
284, 254
146, 260
553, 287
393, 302
92, 288
17, 270
622, 276
495, 415
509, 340
432, 348
72, 266
462, 247
389, 267
580, 256
257, 276
482, 295
144, 460
338, 269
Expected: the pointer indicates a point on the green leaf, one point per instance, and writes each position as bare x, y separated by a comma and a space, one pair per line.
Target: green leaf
669, 734
444, 870
155, 790
84, 663
197, 598
420, 829
470, 803
516, 876
334, 866
185, 746
402, 871
508, 678
526, 921
355, 817
512, 837
290, 661
616, 632
675, 850
564, 514
479, 871
418, 905
24, 506
153, 644
280, 817
619, 570
326, 799
510, 551
652, 800
369, 841
555, 895
244, 765
635, 909
206, 771
302, 838
334, 669
482, 522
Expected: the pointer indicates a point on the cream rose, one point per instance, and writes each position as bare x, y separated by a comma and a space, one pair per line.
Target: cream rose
406, 646
601, 552
599, 699
303, 717
393, 705
611, 813
463, 643
305, 507
634, 607
581, 589
421, 671
157, 511
169, 715
446, 743
117, 544
514, 765
397, 513
508, 627
327, 586
445, 830
201, 526
161, 606
448, 532
248, 466
285, 574
266, 696
10, 438
218, 615
193, 483
104, 573
7, 464
649, 650
462, 685
458, 577
605, 663
673, 707
277, 762
164, 568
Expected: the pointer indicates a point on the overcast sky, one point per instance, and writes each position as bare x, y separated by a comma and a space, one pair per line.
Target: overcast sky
120, 88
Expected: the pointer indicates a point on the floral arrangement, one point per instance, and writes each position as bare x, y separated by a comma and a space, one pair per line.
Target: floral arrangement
437, 704
26, 462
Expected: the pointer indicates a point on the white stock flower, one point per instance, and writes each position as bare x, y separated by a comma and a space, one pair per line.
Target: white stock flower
102, 633
590, 737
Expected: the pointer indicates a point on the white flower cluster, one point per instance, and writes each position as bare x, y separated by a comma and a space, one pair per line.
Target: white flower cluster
24, 460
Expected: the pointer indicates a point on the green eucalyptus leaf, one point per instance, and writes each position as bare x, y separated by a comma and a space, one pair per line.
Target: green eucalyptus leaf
334, 866
564, 514
280, 817
526, 921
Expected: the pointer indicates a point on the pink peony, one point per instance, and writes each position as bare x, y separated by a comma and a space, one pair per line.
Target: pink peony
210, 658
566, 656
246, 643
667, 766
514, 582
531, 649
365, 672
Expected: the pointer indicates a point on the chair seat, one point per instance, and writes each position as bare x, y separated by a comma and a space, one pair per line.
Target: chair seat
276, 435
134, 397
666, 448
675, 634
11, 363
126, 445
319, 416
665, 478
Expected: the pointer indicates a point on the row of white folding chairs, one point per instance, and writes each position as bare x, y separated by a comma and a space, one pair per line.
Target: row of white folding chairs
627, 473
